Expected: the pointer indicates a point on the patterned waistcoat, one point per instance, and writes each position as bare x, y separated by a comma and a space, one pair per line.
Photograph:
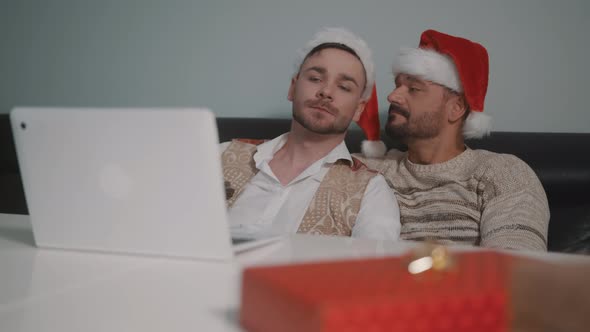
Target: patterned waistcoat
336, 203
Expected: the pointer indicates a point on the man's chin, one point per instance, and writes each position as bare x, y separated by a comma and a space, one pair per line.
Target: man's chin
396, 132
323, 130
320, 128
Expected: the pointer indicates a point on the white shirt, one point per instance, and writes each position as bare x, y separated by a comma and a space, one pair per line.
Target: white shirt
266, 207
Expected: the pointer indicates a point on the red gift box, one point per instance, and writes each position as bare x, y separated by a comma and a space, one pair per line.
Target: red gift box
378, 295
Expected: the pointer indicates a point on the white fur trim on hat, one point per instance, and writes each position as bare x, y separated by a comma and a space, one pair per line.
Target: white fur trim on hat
429, 65
373, 149
345, 37
477, 125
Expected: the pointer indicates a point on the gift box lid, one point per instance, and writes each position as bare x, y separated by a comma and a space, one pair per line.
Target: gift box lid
336, 295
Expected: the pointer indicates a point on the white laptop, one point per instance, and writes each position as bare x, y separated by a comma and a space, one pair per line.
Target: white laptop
140, 181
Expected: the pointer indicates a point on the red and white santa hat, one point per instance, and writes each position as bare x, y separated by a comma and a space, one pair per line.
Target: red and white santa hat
457, 63
369, 120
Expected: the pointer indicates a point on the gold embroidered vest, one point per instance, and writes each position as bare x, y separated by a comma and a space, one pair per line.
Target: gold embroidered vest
336, 203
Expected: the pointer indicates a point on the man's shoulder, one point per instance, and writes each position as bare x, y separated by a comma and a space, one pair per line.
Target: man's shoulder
489, 161
358, 165
506, 171
247, 141
240, 144
393, 157
354, 168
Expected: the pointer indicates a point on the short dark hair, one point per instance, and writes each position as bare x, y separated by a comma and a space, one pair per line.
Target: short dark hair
324, 46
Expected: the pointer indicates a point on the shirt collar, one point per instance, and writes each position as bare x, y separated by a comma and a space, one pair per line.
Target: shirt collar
339, 152
266, 151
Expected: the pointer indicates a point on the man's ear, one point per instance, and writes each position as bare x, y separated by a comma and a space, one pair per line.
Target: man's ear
359, 110
457, 108
292, 88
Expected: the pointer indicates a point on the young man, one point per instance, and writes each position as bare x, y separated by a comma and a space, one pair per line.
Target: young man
446, 191
306, 181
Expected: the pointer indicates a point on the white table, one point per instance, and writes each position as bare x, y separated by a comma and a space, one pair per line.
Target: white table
55, 290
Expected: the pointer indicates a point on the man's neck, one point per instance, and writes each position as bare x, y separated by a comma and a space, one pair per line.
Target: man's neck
435, 150
302, 149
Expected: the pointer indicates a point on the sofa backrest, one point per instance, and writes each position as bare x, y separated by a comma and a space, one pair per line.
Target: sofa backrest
560, 160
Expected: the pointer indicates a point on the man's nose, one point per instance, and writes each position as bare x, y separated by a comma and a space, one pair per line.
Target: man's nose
325, 92
395, 96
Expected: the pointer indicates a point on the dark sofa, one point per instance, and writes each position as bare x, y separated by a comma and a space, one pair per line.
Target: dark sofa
562, 162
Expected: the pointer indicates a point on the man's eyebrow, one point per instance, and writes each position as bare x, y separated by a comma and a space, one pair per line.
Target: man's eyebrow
414, 79
346, 77
320, 70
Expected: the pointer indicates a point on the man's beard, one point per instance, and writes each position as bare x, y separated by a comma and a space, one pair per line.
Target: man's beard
313, 121
423, 126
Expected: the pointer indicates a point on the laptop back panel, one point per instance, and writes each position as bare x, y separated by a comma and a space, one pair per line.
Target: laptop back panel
144, 181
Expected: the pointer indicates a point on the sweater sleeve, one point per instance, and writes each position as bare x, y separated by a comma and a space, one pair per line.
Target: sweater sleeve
515, 211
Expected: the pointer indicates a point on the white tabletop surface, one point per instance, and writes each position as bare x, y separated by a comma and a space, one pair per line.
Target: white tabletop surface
58, 290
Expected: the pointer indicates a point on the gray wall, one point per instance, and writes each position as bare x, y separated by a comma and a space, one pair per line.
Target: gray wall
236, 57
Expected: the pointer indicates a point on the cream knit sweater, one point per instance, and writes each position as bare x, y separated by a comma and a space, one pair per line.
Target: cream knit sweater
479, 197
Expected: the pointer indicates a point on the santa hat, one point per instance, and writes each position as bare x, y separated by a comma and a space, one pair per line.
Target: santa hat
457, 63
369, 120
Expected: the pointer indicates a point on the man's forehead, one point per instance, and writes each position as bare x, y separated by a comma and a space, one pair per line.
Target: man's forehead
410, 78
323, 54
402, 77
319, 62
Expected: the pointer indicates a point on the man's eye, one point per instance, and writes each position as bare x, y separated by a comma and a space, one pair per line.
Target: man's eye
314, 79
344, 88
413, 89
